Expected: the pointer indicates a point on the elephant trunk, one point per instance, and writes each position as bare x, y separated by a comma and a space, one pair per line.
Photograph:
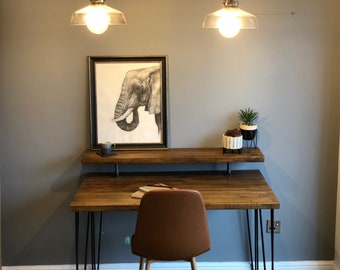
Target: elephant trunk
121, 113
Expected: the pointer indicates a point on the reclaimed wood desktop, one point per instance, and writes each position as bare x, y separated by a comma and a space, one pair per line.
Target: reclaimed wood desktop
245, 189
241, 190
174, 156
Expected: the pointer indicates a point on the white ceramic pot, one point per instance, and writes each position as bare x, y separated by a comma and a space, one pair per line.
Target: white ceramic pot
229, 142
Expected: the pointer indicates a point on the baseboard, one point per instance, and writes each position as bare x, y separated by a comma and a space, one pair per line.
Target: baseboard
291, 265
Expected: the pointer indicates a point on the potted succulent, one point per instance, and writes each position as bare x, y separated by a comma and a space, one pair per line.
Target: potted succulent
232, 140
248, 127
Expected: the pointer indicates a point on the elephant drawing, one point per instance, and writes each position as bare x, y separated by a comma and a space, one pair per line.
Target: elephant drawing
140, 87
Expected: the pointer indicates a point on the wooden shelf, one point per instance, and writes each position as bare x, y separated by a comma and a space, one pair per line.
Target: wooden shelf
174, 156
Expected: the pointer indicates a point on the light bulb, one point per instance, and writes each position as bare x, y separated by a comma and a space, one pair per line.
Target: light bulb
97, 20
229, 26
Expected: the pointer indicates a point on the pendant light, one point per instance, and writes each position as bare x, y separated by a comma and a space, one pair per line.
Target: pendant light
230, 19
97, 17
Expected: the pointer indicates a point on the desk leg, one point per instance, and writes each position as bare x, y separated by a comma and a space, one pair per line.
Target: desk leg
272, 235
90, 236
99, 237
95, 260
257, 218
262, 242
87, 239
93, 243
76, 223
256, 234
249, 242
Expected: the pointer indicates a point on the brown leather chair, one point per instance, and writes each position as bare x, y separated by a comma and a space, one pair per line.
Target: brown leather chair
171, 226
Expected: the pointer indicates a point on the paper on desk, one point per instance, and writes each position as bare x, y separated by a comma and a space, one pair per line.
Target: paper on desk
138, 194
142, 190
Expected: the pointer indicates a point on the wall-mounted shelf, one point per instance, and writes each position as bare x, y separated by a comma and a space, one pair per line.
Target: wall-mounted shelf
174, 156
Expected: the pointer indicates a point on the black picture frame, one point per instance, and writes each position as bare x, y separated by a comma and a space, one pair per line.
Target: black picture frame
113, 115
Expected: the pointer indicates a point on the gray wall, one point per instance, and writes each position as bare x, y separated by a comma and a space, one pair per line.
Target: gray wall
287, 70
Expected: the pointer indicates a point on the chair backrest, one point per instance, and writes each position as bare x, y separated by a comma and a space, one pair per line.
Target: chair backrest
171, 225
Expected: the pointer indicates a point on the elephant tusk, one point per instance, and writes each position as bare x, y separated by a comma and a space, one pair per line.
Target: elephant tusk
125, 115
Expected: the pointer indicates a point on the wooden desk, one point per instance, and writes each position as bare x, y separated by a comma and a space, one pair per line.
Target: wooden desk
242, 190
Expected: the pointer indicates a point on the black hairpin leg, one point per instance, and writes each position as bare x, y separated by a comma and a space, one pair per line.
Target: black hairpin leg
93, 243
272, 235
256, 233
249, 242
254, 263
76, 223
99, 237
262, 241
87, 239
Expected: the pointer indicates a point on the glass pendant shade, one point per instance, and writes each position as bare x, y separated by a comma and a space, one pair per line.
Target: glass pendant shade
230, 19
97, 17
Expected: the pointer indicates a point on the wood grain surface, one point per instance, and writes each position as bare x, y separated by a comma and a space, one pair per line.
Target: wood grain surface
242, 190
174, 155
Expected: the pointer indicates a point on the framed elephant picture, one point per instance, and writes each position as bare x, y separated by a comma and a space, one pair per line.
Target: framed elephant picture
128, 101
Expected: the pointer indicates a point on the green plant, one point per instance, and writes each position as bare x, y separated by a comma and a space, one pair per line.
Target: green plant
248, 116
